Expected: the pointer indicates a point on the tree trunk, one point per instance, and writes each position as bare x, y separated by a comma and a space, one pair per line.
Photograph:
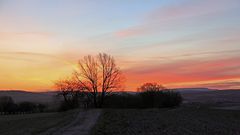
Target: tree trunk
95, 100
102, 99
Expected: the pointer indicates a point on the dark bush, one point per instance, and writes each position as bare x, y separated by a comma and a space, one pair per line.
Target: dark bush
64, 106
155, 95
148, 99
27, 107
171, 99
122, 100
41, 107
160, 99
7, 105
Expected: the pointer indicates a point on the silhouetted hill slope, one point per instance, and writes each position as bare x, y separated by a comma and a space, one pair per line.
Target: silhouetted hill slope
19, 96
202, 95
213, 96
193, 90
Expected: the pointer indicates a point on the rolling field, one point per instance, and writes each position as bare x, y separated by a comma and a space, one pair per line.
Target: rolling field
32, 124
180, 121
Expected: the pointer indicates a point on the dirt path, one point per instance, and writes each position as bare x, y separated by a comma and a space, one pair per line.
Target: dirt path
82, 125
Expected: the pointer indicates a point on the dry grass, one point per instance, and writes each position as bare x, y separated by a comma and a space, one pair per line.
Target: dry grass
180, 121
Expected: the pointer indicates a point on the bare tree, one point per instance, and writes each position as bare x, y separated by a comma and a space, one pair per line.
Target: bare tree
151, 87
99, 76
70, 89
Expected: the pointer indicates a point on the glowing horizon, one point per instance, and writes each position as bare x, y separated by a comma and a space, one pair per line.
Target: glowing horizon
175, 43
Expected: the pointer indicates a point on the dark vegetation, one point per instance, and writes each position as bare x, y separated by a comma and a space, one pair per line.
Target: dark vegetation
177, 121
150, 95
155, 95
159, 99
8, 106
95, 80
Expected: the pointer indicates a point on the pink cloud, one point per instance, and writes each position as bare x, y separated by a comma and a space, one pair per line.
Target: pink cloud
130, 32
186, 71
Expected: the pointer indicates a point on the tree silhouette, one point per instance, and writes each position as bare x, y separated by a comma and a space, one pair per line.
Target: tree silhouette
7, 104
71, 90
99, 75
96, 77
155, 95
151, 87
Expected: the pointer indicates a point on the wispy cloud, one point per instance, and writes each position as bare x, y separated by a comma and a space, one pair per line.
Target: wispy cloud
228, 84
186, 9
36, 58
233, 83
177, 16
187, 55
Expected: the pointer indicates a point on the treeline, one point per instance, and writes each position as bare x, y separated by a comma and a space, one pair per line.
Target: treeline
149, 95
148, 99
8, 106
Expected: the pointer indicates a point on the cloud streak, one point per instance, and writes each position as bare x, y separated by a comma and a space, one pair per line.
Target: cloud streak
233, 83
173, 17
199, 54
185, 71
36, 58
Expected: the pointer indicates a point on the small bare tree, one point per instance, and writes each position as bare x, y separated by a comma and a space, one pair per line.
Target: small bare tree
70, 89
151, 87
99, 76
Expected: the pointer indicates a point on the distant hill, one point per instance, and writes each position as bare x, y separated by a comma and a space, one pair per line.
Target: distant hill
190, 90
212, 96
20, 96
203, 95
182, 90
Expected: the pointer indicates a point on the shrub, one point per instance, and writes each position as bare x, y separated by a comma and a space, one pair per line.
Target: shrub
7, 105
155, 95
171, 99
166, 98
27, 107
64, 106
41, 107
122, 100
148, 99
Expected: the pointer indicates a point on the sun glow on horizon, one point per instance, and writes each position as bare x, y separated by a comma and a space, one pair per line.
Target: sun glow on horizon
176, 43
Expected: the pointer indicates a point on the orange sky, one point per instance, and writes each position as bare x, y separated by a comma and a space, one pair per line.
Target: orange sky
175, 43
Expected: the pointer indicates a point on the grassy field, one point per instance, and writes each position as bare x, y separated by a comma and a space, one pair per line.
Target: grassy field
180, 121
32, 124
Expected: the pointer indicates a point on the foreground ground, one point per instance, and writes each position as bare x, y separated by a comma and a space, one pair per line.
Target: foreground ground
81, 125
186, 120
180, 121
66, 123
31, 124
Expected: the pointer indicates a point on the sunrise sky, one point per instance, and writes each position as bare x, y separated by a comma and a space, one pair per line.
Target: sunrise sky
178, 43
